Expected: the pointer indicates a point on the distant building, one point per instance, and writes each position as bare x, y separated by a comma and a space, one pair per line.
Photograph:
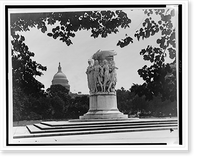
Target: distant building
79, 94
61, 79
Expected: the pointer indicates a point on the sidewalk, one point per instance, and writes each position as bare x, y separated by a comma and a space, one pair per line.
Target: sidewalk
164, 136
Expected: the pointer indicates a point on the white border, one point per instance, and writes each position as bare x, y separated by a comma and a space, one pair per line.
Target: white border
185, 78
115, 147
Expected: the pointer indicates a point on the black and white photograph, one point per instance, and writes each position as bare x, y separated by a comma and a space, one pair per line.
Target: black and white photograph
95, 75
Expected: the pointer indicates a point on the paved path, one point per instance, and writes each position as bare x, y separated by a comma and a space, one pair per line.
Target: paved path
164, 136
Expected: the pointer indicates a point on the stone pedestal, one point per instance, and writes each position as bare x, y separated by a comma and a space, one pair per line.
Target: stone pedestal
102, 78
103, 106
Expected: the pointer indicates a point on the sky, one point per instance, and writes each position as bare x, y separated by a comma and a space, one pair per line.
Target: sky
74, 58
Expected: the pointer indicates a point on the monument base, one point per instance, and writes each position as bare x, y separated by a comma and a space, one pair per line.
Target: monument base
103, 106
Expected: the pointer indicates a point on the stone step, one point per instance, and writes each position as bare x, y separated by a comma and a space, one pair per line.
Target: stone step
107, 125
78, 122
56, 128
38, 130
55, 133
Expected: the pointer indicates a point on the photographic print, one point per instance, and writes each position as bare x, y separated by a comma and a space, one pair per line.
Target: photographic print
94, 75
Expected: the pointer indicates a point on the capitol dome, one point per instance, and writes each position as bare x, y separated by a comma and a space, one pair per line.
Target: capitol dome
61, 79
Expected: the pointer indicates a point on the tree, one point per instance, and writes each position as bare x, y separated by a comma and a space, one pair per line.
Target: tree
58, 90
60, 93
42, 106
58, 107
22, 106
100, 23
24, 68
129, 102
19, 104
78, 106
123, 102
160, 77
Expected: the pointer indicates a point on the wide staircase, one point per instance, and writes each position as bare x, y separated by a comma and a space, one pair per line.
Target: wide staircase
67, 128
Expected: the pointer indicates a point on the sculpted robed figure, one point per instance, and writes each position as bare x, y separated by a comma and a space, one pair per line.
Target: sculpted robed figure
102, 78
101, 74
90, 75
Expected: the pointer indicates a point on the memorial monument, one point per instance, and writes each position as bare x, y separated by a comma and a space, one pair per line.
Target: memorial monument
102, 78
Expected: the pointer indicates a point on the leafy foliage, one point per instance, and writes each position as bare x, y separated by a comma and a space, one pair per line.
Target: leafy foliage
66, 24
24, 68
60, 100
156, 77
129, 102
56, 104
58, 90
164, 25
160, 78
158, 81
55, 107
18, 104
150, 27
79, 106
124, 42
100, 23
22, 106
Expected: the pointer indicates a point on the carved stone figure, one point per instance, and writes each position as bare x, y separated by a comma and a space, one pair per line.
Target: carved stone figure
90, 75
106, 74
101, 72
103, 100
98, 72
113, 77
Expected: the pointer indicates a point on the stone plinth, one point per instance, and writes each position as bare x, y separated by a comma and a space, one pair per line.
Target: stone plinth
103, 106
102, 79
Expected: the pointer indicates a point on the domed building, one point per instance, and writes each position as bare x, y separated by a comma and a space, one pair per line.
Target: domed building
61, 79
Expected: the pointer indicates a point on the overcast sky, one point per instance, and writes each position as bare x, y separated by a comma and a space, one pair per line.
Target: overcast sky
49, 52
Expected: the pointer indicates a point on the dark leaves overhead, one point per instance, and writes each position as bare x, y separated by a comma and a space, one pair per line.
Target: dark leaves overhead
153, 54
66, 24
150, 28
172, 53
124, 42
100, 23
164, 25
160, 78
